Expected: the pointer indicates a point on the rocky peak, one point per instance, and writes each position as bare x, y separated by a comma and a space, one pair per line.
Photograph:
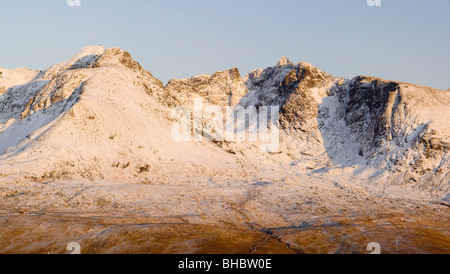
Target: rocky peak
223, 88
117, 57
284, 61
121, 59
83, 59
274, 85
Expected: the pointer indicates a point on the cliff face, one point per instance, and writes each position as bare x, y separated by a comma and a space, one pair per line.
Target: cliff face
119, 60
396, 130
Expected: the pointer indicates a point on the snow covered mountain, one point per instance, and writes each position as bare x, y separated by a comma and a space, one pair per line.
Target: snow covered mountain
91, 139
101, 115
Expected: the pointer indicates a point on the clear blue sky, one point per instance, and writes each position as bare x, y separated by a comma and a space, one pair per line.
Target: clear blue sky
405, 40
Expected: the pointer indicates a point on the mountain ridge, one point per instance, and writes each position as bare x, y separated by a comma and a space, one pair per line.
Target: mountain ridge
392, 135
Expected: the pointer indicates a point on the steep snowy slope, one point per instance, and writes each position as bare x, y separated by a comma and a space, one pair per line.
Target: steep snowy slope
67, 123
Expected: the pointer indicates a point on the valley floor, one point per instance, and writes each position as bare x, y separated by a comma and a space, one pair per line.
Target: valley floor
290, 214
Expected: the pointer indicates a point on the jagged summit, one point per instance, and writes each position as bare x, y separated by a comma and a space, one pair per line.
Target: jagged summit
223, 88
284, 61
273, 85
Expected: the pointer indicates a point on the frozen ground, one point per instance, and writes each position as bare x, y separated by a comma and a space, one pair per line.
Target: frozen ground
288, 213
